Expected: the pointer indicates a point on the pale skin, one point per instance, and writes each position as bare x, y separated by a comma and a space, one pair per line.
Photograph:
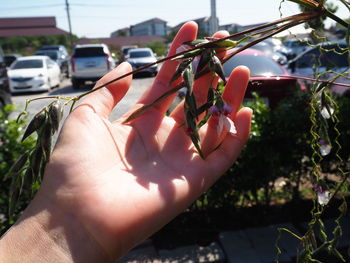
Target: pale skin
110, 185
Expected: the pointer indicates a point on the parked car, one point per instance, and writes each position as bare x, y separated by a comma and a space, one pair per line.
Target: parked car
330, 59
124, 51
89, 63
62, 58
277, 46
267, 78
34, 73
139, 57
296, 46
60, 48
59, 58
10, 58
5, 95
269, 50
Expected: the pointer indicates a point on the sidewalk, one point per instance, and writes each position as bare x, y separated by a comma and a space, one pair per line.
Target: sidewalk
250, 245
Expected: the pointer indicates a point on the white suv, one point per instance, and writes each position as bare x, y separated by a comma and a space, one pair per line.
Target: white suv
89, 63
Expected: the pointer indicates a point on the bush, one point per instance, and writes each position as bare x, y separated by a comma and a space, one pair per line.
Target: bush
278, 149
11, 148
157, 47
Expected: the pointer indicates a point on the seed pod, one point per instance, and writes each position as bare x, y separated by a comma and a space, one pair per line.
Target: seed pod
45, 140
18, 165
203, 62
35, 160
55, 115
35, 124
216, 66
28, 178
180, 69
15, 192
210, 96
188, 79
190, 103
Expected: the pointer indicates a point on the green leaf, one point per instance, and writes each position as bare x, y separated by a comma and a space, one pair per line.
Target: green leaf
196, 42
226, 43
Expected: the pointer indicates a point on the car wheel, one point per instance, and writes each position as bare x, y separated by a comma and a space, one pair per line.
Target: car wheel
49, 84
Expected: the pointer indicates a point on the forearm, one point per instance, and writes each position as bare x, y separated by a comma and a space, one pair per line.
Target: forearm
44, 234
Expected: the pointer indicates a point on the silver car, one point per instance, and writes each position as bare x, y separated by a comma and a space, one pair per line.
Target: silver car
89, 63
139, 57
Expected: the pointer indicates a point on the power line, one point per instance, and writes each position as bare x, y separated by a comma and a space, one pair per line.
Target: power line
30, 7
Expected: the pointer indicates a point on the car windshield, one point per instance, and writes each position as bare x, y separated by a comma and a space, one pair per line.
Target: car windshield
30, 63
89, 52
52, 55
263, 47
50, 48
140, 54
258, 65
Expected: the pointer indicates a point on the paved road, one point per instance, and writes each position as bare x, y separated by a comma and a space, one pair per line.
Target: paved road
138, 86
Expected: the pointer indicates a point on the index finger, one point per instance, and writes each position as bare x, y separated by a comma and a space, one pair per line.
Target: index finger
188, 32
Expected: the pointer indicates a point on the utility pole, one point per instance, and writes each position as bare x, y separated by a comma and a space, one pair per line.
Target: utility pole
70, 25
213, 19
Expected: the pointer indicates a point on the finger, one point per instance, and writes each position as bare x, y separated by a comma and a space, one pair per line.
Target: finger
103, 101
201, 85
188, 32
225, 155
233, 96
236, 87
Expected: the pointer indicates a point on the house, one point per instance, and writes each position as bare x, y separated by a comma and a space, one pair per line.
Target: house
231, 28
203, 25
29, 26
151, 27
121, 32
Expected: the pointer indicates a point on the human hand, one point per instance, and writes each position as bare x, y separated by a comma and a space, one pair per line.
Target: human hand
119, 183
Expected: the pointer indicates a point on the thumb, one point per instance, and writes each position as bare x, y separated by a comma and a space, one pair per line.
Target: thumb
103, 101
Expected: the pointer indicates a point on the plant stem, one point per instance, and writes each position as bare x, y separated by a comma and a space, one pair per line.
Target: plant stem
298, 17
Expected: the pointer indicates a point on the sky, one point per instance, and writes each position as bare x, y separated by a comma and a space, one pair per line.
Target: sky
98, 18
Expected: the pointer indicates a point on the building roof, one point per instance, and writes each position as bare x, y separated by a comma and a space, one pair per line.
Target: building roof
154, 20
29, 26
198, 21
117, 42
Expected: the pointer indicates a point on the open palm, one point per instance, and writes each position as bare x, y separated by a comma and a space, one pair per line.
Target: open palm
124, 181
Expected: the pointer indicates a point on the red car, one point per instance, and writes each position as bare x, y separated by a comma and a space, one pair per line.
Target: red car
267, 77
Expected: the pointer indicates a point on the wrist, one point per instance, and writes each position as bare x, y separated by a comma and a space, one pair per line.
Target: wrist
44, 233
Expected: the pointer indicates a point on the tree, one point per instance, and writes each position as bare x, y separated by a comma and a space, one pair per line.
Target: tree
318, 23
